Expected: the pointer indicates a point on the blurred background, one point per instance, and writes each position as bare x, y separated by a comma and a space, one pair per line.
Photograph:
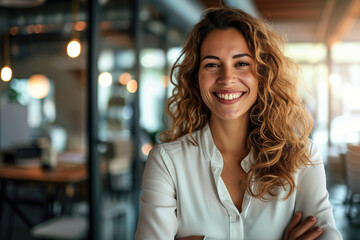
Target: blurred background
55, 181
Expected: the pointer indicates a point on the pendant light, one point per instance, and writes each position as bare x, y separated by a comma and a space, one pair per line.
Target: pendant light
74, 46
6, 71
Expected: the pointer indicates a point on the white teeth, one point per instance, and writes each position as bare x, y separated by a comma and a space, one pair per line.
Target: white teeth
230, 96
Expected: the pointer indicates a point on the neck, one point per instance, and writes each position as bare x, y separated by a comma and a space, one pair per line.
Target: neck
230, 136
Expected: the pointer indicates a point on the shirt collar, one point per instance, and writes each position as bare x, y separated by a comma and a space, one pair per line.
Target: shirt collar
211, 152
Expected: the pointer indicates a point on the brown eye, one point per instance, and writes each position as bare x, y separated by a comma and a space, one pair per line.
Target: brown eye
242, 64
211, 65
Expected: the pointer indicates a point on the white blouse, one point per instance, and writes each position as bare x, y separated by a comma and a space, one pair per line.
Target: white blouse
183, 195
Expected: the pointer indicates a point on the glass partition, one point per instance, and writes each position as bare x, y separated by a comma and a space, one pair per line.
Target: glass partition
45, 45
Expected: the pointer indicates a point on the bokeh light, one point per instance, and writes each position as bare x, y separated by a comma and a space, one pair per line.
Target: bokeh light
6, 73
146, 148
14, 30
74, 48
335, 80
132, 86
124, 78
80, 26
105, 79
39, 86
38, 28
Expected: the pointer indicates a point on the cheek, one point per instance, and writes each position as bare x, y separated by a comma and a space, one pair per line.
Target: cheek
250, 80
254, 92
204, 83
253, 85
205, 92
205, 96
202, 87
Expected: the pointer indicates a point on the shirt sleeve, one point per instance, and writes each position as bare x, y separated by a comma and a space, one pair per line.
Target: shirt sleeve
158, 200
313, 198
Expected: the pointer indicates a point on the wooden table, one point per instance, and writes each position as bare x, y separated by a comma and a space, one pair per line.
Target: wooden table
64, 174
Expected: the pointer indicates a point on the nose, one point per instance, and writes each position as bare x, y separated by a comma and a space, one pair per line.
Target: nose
227, 75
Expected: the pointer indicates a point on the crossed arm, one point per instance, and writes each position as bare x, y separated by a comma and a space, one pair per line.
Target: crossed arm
297, 229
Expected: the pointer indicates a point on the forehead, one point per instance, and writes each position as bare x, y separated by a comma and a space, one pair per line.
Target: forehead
224, 40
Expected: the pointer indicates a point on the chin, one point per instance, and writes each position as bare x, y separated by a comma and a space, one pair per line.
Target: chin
229, 117
232, 116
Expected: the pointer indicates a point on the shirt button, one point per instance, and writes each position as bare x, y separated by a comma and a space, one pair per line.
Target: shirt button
235, 218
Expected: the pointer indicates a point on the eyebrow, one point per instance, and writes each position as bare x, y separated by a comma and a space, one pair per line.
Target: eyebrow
235, 56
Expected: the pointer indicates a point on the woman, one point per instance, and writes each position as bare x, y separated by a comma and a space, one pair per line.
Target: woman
237, 162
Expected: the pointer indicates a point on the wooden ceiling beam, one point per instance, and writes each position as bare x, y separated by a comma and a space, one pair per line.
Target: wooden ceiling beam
321, 30
304, 4
290, 9
291, 14
345, 22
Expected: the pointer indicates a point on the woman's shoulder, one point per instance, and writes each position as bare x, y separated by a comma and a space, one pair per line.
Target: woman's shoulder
172, 156
184, 143
314, 153
315, 166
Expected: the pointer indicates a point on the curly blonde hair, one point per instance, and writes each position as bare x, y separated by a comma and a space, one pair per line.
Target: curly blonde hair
279, 125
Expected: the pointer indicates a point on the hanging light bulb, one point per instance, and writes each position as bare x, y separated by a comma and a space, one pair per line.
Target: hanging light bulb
39, 86
6, 73
74, 48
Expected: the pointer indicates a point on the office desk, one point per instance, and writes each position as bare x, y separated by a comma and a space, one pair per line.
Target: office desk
64, 174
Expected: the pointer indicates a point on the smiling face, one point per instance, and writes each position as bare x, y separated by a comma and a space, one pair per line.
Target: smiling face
227, 81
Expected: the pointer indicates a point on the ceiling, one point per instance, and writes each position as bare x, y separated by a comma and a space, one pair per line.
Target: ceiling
326, 21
